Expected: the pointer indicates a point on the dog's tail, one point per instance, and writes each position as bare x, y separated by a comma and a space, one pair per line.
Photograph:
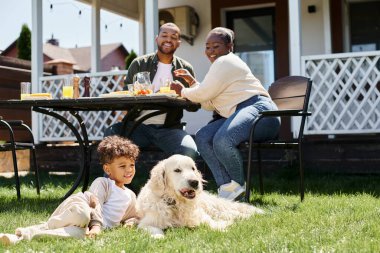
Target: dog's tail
223, 209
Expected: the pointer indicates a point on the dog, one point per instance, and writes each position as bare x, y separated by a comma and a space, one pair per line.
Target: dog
174, 197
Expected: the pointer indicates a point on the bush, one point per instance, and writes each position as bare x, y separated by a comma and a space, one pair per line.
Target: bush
128, 60
24, 43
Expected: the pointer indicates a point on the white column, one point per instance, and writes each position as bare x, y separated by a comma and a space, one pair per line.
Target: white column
37, 55
151, 25
95, 36
327, 26
141, 7
295, 51
294, 37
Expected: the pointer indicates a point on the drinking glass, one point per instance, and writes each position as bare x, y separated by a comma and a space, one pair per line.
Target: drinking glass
24, 90
165, 86
67, 89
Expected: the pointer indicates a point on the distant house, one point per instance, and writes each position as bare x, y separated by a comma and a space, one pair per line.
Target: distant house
76, 60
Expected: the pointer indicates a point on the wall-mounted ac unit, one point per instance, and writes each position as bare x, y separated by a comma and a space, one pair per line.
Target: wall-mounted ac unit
184, 17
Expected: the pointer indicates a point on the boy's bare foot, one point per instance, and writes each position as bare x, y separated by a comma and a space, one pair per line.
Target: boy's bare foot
9, 239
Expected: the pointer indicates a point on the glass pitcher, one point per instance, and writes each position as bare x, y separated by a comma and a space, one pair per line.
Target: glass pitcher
142, 84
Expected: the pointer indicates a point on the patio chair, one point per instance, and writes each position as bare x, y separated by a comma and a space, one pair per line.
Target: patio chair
12, 145
291, 95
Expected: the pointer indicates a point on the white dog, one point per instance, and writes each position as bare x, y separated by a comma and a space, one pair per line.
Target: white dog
174, 197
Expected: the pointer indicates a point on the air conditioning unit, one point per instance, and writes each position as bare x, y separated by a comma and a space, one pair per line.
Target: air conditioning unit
184, 17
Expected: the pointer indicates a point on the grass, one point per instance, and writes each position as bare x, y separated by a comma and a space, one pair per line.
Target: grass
340, 213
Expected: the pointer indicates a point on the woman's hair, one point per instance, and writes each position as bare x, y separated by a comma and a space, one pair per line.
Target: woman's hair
112, 147
227, 35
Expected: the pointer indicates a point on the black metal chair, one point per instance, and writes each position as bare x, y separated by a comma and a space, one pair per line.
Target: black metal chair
291, 95
12, 145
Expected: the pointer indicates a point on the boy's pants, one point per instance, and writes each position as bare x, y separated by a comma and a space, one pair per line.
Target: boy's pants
70, 219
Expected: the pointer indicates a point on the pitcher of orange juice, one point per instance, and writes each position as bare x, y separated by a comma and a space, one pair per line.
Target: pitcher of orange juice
142, 83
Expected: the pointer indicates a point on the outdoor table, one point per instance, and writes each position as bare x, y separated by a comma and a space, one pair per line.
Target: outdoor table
159, 103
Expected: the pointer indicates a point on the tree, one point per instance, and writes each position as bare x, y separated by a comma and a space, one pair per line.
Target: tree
24, 43
128, 60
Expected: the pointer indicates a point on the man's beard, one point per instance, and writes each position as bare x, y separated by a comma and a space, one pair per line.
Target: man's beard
163, 51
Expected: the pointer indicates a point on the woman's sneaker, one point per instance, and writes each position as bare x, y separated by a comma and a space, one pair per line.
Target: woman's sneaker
231, 191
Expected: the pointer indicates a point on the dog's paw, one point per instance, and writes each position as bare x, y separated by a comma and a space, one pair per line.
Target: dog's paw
155, 232
219, 225
259, 211
157, 236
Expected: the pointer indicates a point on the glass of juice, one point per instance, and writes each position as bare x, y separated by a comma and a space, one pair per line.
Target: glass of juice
25, 90
67, 88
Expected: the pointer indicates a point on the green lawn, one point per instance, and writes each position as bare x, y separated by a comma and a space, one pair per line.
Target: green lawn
340, 213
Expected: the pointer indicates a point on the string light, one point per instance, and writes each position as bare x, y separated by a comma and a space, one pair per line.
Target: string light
80, 11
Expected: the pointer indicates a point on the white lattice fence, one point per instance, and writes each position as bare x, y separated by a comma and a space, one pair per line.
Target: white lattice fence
345, 98
52, 129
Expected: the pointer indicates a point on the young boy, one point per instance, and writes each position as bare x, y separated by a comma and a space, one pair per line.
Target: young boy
108, 203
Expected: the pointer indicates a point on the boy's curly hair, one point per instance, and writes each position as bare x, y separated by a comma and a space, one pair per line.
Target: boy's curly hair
112, 147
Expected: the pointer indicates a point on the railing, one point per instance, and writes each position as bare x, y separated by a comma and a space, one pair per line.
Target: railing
345, 98
51, 129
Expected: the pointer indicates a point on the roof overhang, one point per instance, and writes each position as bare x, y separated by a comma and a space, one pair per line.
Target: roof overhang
126, 8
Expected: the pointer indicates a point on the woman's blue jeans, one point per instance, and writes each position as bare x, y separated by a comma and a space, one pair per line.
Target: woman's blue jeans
217, 141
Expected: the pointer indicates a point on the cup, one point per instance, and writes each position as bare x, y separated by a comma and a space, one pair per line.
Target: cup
131, 88
67, 89
25, 90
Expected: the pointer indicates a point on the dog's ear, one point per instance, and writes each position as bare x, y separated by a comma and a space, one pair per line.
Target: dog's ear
157, 177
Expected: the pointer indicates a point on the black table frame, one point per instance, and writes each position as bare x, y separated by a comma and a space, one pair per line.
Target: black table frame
161, 104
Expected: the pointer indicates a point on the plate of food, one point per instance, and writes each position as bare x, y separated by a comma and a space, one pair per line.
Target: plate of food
37, 96
122, 93
167, 94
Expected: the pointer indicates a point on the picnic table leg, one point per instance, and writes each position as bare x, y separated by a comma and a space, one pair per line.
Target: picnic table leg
87, 158
131, 115
80, 142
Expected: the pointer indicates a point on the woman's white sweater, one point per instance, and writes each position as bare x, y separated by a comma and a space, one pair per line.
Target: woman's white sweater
228, 82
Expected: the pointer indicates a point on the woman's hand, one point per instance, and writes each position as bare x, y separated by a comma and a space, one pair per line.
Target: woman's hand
185, 74
177, 87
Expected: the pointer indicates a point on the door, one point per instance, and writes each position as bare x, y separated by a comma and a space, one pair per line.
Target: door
255, 40
364, 23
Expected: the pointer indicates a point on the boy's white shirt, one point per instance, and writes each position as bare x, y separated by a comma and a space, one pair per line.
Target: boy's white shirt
115, 206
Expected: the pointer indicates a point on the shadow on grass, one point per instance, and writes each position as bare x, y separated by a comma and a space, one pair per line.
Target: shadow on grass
46, 179
286, 181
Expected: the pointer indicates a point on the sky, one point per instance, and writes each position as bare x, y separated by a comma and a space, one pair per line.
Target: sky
65, 24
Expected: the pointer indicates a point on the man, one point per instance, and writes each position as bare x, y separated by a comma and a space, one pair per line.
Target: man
164, 131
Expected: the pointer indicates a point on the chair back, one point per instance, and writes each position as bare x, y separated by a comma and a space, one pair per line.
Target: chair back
291, 92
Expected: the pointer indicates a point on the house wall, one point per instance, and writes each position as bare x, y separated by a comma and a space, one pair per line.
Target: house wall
313, 28
12, 52
114, 59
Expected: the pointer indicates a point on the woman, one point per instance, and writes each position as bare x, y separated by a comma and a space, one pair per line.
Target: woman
237, 97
